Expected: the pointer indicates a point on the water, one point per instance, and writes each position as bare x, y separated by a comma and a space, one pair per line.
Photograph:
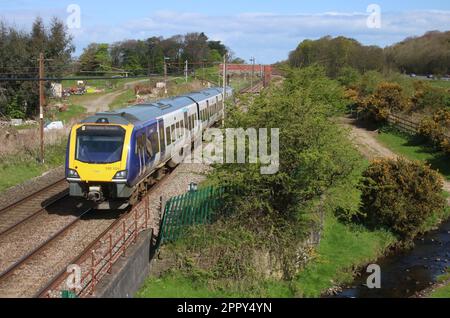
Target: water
404, 274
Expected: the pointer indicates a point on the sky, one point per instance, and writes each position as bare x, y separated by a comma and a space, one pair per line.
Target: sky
265, 29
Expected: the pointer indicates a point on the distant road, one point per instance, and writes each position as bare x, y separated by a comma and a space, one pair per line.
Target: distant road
423, 77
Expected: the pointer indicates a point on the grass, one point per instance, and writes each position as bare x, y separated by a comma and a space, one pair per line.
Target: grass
122, 99
179, 286
73, 111
107, 85
15, 170
343, 248
443, 291
413, 148
440, 83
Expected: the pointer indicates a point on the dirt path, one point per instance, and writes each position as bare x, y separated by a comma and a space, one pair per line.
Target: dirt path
366, 142
101, 104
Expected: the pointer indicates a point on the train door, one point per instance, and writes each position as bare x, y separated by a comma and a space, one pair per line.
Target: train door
186, 125
152, 147
162, 139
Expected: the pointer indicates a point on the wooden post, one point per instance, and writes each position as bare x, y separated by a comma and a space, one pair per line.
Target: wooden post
41, 106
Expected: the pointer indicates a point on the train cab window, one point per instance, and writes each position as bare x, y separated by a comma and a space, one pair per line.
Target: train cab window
99, 144
168, 136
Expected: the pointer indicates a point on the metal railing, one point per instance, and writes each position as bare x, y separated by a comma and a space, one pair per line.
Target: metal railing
97, 261
192, 208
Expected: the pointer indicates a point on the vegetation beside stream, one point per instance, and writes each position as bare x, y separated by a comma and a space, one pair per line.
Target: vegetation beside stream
320, 176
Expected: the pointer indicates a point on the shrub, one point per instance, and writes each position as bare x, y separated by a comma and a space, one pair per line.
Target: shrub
435, 129
427, 96
401, 196
388, 97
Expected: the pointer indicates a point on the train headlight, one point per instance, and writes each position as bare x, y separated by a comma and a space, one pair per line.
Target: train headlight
121, 175
72, 174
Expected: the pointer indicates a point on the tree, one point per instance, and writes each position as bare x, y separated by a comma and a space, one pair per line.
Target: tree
196, 47
19, 51
427, 54
96, 58
337, 53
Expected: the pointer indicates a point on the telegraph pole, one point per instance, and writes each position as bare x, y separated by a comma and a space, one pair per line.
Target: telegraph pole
253, 70
41, 106
224, 87
186, 70
165, 75
203, 70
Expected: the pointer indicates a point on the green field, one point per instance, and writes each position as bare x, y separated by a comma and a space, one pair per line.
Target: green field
73, 111
15, 170
342, 248
122, 99
444, 291
414, 149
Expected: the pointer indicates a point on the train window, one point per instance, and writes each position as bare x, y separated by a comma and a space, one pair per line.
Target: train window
154, 143
162, 141
168, 136
149, 147
189, 123
177, 134
174, 137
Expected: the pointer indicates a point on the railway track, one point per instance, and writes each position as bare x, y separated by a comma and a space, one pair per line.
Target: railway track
34, 269
23, 273
31, 206
58, 279
255, 89
5, 274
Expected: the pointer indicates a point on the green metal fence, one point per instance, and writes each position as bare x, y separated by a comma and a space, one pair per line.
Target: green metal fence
193, 208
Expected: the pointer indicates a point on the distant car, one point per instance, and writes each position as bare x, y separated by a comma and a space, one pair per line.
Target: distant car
54, 125
431, 76
413, 75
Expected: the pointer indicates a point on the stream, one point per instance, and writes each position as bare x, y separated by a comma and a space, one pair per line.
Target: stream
406, 273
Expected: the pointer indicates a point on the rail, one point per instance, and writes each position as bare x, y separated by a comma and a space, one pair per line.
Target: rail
4, 275
32, 195
98, 261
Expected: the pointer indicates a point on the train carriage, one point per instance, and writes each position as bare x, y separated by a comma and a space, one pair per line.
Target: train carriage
111, 156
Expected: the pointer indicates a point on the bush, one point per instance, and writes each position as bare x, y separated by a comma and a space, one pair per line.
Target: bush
401, 196
387, 98
429, 97
435, 130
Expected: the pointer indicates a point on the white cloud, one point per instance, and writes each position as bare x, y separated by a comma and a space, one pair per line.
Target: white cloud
267, 36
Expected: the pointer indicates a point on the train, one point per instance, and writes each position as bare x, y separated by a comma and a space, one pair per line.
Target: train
113, 157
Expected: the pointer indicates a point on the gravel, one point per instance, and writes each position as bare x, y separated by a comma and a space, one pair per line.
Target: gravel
30, 277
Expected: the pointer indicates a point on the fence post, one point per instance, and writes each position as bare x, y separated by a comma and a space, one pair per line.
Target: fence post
93, 272
124, 239
135, 226
110, 254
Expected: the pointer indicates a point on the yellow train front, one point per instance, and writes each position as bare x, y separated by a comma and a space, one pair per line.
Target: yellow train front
97, 162
112, 156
